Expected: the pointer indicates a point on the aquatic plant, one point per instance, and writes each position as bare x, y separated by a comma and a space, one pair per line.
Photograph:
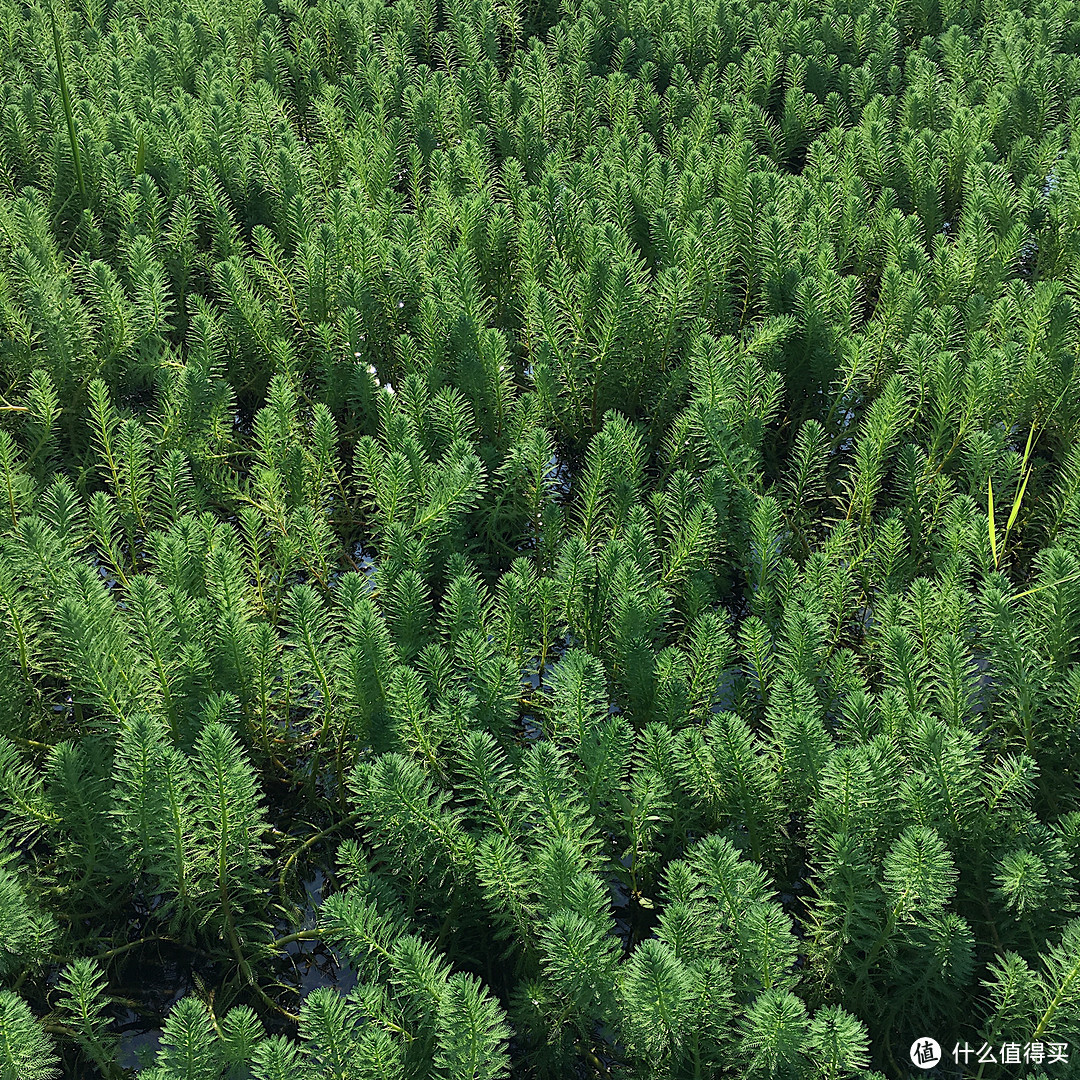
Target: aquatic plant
499, 564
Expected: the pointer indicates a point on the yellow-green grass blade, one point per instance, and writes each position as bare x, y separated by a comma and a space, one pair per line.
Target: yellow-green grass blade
1052, 585
65, 97
1016, 504
990, 519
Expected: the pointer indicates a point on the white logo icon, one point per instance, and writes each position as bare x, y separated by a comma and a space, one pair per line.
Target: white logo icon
925, 1053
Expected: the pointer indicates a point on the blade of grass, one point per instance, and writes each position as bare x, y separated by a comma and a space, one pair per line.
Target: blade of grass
1016, 505
990, 519
1026, 469
65, 97
1052, 585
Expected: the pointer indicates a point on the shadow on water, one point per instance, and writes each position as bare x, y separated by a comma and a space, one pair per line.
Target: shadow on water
560, 475
310, 965
536, 685
147, 983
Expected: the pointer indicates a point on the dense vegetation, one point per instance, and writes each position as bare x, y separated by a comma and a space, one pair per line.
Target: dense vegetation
500, 572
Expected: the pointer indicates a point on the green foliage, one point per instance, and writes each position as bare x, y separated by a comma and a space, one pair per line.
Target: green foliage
26, 1052
567, 514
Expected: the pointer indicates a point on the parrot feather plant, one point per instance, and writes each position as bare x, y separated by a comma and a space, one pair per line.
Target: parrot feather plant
516, 557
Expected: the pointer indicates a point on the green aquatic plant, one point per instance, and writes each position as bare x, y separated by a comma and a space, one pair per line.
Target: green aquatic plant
518, 551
